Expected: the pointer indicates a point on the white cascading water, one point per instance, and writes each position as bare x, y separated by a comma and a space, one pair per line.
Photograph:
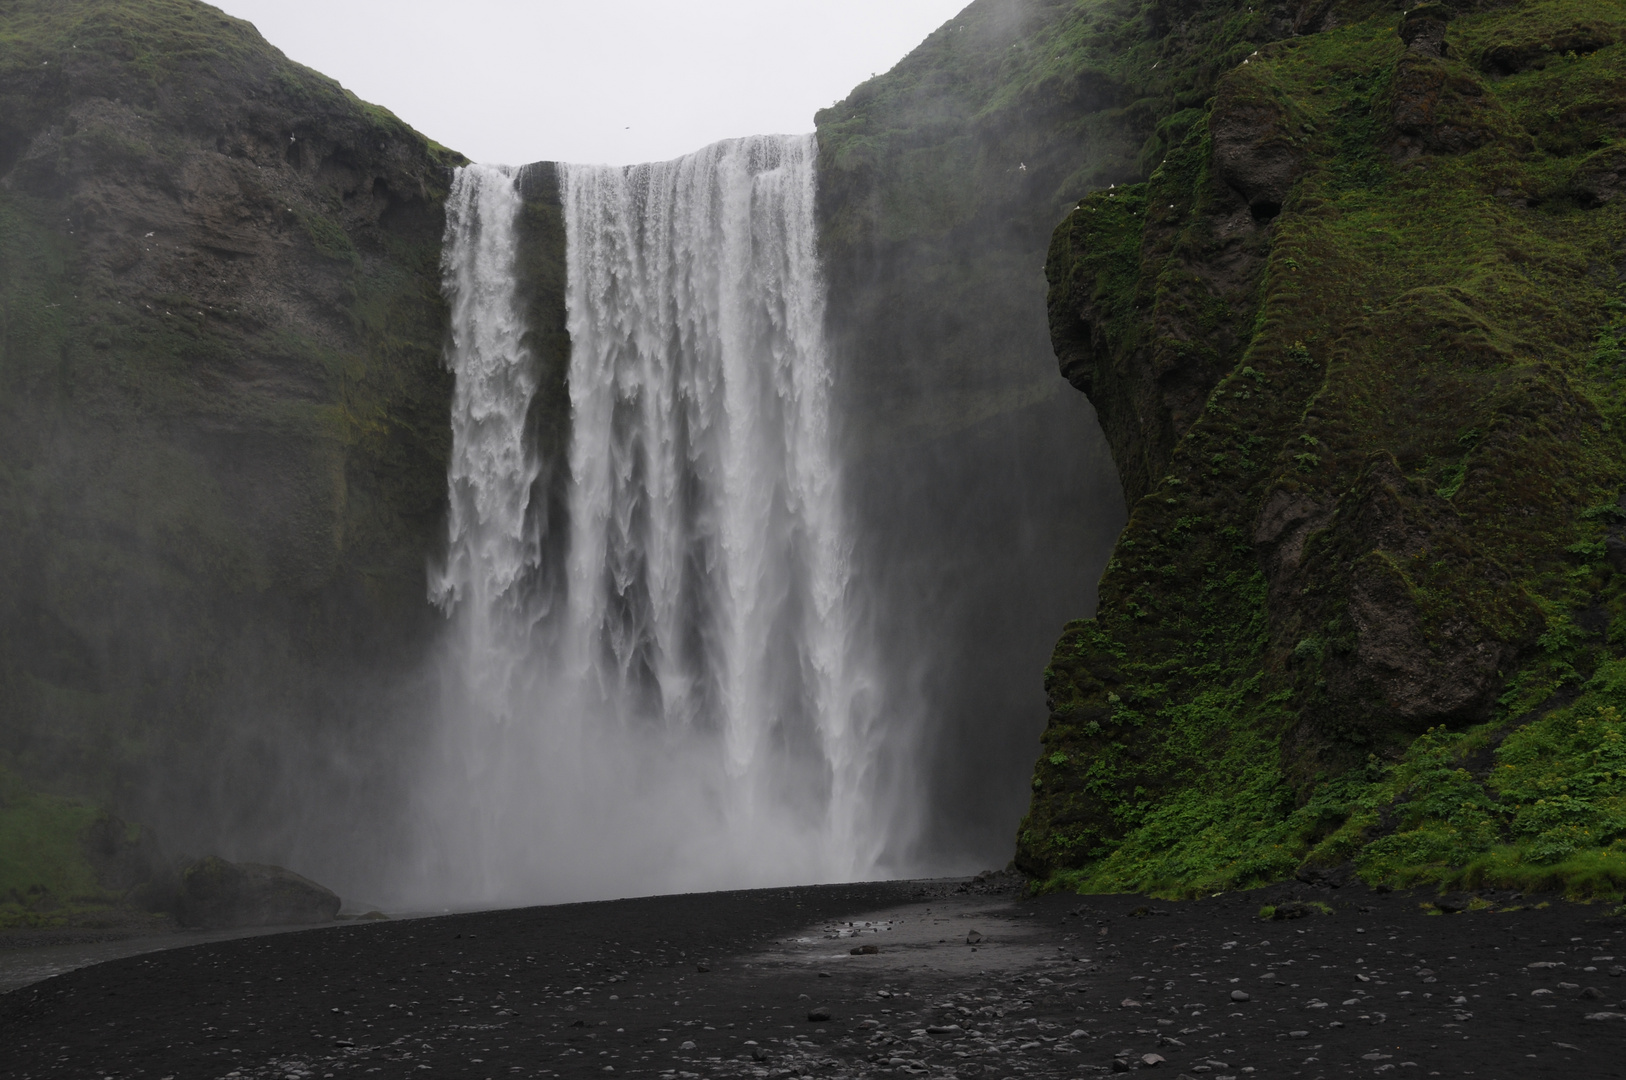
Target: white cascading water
692, 716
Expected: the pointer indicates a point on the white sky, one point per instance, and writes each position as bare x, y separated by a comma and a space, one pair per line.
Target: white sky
597, 81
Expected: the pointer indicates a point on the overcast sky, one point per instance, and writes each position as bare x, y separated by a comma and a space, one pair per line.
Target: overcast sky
611, 81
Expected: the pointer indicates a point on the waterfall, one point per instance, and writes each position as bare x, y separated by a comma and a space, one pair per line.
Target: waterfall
693, 714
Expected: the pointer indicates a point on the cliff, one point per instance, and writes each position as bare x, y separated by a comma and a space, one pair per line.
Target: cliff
223, 422
1356, 341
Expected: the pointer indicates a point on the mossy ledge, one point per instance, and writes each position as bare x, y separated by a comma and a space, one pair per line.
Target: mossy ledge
1357, 343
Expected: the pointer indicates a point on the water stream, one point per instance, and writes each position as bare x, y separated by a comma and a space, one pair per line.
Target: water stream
681, 703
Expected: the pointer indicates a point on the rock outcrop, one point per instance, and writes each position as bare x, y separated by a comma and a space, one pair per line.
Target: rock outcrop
1356, 345
221, 895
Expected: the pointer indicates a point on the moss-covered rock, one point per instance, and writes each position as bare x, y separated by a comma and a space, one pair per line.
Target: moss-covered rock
1356, 344
223, 414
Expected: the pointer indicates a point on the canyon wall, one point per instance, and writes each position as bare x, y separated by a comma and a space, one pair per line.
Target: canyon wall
223, 421
1356, 341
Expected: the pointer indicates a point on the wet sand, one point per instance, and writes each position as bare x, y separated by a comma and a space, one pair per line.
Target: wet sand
962, 984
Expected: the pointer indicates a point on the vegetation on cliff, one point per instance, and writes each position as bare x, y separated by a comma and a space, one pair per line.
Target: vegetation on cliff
1357, 344
223, 416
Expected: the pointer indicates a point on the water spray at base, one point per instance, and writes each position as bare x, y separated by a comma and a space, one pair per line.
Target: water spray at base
682, 704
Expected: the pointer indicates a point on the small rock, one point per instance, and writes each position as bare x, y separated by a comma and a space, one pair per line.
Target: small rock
1240, 995
1298, 1034
973, 938
818, 1016
1129, 1003
1606, 1016
1152, 1061
1120, 1065
1591, 993
702, 968
865, 950
944, 1029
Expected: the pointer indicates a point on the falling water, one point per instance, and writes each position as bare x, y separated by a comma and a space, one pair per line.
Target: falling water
693, 715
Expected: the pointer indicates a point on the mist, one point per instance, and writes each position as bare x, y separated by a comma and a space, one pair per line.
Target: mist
585, 531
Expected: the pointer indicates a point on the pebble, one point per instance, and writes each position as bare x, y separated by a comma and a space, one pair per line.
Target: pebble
1240, 995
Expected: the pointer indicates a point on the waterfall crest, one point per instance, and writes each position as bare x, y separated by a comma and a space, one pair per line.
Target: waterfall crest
692, 716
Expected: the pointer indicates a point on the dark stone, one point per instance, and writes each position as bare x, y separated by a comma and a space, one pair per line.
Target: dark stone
220, 895
1254, 151
865, 950
1598, 179
818, 1016
1423, 29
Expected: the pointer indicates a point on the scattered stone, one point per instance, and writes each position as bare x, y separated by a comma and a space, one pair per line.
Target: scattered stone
1152, 1061
1240, 995
865, 950
818, 1016
973, 938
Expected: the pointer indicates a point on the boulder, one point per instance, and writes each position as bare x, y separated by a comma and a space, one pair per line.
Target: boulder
221, 895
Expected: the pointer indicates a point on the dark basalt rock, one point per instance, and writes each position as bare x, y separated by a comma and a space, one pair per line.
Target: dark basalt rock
1254, 151
221, 895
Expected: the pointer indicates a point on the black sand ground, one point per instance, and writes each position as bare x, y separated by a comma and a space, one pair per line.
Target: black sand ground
723, 985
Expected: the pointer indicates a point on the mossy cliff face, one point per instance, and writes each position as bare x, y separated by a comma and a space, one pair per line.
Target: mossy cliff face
223, 413
1357, 344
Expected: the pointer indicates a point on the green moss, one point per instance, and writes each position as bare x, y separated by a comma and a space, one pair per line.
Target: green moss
1452, 313
43, 868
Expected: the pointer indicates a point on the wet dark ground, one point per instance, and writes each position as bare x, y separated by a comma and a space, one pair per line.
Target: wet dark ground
960, 983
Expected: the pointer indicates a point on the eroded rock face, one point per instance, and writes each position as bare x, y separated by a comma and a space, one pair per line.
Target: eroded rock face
1254, 151
1426, 626
1601, 177
221, 895
1439, 107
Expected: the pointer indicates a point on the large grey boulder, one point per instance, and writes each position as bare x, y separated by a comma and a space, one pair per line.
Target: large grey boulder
221, 895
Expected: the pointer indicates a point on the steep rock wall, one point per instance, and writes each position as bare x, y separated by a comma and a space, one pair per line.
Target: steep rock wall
223, 418
1356, 344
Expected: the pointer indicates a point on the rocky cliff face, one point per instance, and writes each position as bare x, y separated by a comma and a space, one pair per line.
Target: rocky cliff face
223, 422
1356, 342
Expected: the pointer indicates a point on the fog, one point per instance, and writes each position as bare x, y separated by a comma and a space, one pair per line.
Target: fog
753, 543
